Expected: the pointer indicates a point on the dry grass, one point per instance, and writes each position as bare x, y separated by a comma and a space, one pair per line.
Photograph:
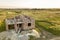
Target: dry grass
52, 16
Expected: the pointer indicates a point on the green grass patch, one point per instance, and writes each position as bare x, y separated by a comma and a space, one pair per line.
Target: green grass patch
48, 27
2, 26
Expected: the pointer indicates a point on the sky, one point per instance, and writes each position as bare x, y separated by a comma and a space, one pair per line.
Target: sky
29, 3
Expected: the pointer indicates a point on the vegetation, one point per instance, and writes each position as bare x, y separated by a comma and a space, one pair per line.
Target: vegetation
49, 19
32, 38
2, 28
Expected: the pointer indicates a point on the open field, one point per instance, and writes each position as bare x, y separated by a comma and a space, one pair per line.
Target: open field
49, 19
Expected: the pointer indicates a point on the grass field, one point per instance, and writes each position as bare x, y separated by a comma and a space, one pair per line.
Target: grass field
49, 19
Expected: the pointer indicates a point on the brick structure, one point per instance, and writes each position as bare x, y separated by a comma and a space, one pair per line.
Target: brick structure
20, 22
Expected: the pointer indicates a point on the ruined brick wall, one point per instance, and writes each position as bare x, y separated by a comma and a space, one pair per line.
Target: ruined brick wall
27, 22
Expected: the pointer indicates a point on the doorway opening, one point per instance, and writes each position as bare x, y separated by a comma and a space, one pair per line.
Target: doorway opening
11, 26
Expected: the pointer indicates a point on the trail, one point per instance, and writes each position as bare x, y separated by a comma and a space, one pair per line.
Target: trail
45, 35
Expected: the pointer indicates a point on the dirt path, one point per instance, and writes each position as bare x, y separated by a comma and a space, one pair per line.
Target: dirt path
45, 35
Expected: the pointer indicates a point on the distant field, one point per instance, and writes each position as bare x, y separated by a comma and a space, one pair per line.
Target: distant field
49, 19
